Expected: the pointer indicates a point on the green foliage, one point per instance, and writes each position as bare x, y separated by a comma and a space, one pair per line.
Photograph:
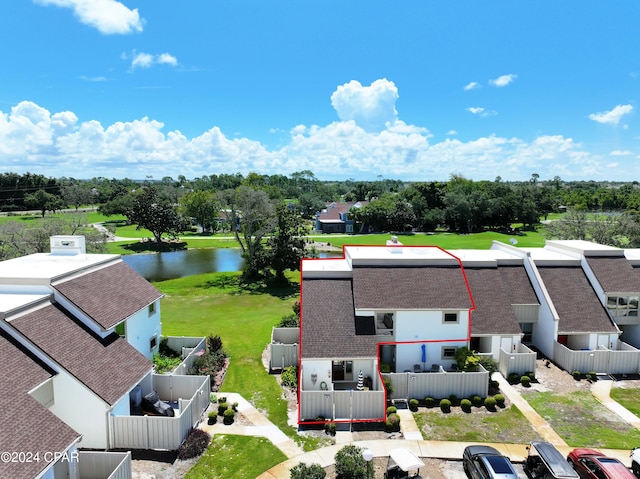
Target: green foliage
222, 407
388, 385
228, 416
157, 213
385, 367
413, 404
330, 428
289, 377
392, 423
194, 444
445, 405
490, 403
349, 463
477, 401
454, 399
577, 375
302, 471
210, 363
592, 376
525, 381
465, 405
214, 343
212, 417
513, 378
289, 321
392, 410
499, 400
429, 402
165, 350
163, 364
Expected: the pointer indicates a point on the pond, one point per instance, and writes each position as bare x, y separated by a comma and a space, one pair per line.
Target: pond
177, 264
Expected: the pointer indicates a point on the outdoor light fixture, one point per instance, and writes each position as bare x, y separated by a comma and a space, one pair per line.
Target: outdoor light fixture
367, 455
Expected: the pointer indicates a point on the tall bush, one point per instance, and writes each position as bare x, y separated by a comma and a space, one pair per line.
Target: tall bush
349, 464
302, 471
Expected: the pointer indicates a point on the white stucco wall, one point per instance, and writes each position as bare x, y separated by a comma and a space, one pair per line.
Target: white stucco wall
122, 407
141, 327
81, 409
429, 325
631, 334
321, 367
66, 465
409, 354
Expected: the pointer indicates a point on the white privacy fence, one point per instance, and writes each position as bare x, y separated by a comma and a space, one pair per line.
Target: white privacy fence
624, 360
161, 432
104, 465
522, 360
438, 385
342, 405
284, 347
190, 348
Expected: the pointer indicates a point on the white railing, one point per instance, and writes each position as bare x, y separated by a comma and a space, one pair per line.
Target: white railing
167, 433
342, 405
104, 465
625, 360
191, 348
439, 385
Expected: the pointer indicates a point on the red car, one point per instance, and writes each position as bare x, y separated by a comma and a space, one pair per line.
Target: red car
591, 464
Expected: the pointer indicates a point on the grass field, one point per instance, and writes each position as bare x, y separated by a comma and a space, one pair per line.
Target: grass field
628, 397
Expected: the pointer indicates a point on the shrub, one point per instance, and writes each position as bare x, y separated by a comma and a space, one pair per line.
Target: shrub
531, 374
445, 405
222, 407
499, 400
513, 378
592, 376
209, 364
391, 410
163, 364
289, 377
330, 428
213, 417
393, 423
222, 399
385, 367
493, 384
234, 406
429, 402
413, 404
165, 350
576, 375
194, 444
490, 403
388, 385
465, 404
477, 401
525, 381
214, 343
349, 463
213, 398
454, 399
228, 416
289, 321
302, 471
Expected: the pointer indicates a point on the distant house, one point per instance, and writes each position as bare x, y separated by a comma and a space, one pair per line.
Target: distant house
77, 334
335, 218
400, 313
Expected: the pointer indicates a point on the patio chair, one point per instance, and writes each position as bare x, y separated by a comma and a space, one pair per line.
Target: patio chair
417, 368
435, 368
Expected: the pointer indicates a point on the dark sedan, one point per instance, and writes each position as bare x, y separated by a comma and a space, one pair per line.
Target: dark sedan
485, 462
592, 464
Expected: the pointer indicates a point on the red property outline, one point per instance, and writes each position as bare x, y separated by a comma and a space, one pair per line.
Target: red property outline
380, 344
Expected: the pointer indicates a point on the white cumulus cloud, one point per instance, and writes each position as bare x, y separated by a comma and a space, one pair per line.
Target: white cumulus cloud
612, 117
147, 60
371, 107
621, 153
482, 112
503, 80
107, 16
472, 86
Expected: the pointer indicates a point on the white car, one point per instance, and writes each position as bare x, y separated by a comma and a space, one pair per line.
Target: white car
635, 461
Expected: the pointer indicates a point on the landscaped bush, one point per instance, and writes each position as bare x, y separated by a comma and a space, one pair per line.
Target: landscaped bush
289, 377
477, 401
493, 384
531, 374
213, 417
445, 405
194, 444
222, 407
513, 378
289, 321
330, 428
413, 404
214, 343
393, 423
454, 400
525, 381
222, 399
490, 403
234, 406
228, 416
302, 471
429, 402
163, 364
465, 405
576, 375
592, 376
165, 350
210, 363
388, 385
499, 400
391, 410
349, 463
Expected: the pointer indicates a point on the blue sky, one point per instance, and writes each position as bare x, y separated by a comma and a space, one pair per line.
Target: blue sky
415, 90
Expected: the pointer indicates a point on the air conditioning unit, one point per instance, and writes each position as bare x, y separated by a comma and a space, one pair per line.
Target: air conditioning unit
67, 245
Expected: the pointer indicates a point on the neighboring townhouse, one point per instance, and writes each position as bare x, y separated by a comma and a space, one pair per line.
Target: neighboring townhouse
80, 330
399, 313
335, 218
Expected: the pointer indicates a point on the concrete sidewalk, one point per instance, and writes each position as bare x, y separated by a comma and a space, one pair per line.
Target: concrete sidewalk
602, 392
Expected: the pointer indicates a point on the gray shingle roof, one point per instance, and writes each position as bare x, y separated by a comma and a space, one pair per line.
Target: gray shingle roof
427, 287
615, 275
494, 312
576, 302
518, 285
109, 295
328, 323
27, 425
109, 366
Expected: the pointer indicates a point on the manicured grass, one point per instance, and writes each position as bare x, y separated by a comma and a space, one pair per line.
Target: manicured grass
628, 397
237, 457
582, 421
476, 426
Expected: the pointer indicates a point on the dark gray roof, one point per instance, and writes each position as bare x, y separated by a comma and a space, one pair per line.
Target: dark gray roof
402, 288
494, 311
615, 274
109, 367
518, 285
109, 295
26, 424
328, 322
578, 307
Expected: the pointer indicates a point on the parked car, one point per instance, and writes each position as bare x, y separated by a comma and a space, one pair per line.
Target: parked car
635, 461
592, 464
544, 461
485, 462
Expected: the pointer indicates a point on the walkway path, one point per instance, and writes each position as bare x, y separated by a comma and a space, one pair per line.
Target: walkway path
602, 392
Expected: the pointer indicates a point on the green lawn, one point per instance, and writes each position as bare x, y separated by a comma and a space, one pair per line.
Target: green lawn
628, 397
237, 457
582, 421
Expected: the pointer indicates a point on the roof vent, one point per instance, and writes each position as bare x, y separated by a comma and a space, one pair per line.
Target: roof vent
68, 245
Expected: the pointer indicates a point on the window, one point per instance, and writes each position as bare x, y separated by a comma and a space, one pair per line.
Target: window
152, 308
448, 353
153, 342
622, 306
450, 318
